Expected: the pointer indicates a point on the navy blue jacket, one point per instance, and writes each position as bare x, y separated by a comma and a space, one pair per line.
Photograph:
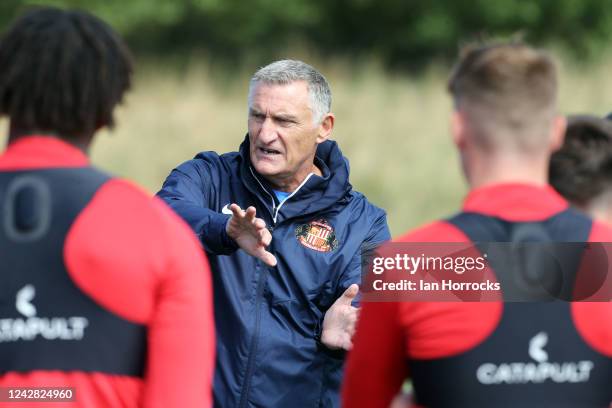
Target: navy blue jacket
269, 318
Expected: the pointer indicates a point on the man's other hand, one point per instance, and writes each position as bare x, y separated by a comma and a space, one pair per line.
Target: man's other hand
340, 321
250, 233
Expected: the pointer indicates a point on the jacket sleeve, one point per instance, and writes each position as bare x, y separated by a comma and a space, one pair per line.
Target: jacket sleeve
378, 234
188, 190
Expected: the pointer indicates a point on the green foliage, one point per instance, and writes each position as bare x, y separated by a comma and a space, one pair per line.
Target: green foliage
401, 33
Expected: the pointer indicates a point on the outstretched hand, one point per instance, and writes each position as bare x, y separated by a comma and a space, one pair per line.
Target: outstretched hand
340, 321
250, 233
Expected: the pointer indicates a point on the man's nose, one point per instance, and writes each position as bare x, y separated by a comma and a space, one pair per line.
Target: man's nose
267, 133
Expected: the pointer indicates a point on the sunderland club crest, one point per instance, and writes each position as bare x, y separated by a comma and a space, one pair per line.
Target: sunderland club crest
317, 235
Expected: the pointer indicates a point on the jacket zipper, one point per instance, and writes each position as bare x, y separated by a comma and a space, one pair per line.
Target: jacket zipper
276, 209
246, 385
266, 191
260, 286
289, 196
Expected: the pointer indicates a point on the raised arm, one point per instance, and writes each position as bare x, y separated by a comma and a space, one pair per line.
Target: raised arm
188, 191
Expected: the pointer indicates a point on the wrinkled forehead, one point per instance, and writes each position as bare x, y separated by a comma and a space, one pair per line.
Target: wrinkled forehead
294, 96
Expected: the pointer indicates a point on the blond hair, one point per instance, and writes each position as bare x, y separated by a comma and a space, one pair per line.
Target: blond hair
508, 92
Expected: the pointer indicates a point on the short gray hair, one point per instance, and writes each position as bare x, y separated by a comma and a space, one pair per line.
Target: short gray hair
284, 72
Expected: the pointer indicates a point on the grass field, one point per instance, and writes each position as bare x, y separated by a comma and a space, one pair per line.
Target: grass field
393, 129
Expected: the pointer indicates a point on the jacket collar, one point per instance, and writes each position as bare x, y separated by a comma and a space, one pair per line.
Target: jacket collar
314, 195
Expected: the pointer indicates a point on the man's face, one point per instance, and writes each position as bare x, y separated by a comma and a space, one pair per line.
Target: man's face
282, 134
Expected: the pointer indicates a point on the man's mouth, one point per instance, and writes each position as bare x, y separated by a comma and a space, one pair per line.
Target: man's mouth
268, 151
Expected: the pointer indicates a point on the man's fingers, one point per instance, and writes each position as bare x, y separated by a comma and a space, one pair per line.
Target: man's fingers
340, 340
345, 342
236, 210
267, 257
349, 294
265, 237
250, 214
351, 291
259, 223
350, 329
351, 320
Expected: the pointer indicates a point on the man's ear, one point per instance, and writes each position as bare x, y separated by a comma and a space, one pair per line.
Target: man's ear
557, 132
458, 129
326, 127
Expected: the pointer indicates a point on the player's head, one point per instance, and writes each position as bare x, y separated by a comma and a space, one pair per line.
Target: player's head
505, 99
62, 73
582, 169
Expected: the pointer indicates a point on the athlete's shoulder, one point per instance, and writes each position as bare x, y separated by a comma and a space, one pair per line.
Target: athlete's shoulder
126, 205
600, 232
437, 231
127, 237
121, 191
131, 199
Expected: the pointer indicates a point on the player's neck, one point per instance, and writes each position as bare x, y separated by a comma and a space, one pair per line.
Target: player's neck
502, 170
81, 142
600, 207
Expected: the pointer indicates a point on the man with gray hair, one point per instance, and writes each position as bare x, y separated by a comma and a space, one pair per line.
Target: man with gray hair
284, 232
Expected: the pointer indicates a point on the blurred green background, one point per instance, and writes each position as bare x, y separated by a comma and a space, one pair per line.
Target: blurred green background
387, 63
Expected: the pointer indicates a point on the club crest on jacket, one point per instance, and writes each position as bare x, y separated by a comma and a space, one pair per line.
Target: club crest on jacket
317, 235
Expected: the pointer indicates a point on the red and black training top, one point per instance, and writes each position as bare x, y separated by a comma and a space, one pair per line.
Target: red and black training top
102, 288
478, 354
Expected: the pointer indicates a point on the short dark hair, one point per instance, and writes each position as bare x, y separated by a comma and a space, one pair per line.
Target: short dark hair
62, 71
582, 169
